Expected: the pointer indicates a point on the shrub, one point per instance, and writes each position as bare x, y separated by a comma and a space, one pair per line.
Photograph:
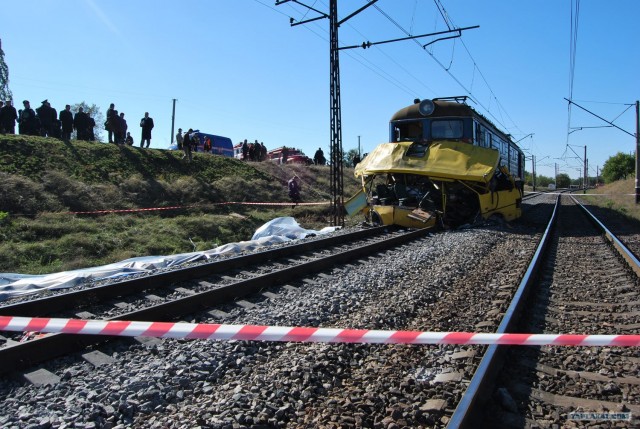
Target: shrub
19, 195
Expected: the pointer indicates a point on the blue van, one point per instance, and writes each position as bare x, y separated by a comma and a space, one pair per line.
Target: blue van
222, 146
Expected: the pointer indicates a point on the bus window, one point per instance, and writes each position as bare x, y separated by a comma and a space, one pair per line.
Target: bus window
409, 131
417, 150
446, 129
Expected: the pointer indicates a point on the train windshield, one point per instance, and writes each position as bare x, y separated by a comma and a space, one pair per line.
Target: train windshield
408, 131
446, 129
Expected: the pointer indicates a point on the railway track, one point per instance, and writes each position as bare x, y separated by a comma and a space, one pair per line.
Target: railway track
177, 293
452, 281
588, 283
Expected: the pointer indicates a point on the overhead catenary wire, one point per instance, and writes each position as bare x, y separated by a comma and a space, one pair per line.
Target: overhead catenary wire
573, 49
377, 70
468, 91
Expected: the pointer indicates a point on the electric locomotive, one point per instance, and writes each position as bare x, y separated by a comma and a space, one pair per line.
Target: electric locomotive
445, 165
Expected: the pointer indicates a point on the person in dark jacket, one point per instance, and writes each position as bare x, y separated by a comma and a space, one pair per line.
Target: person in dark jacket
28, 122
319, 158
245, 150
124, 126
186, 145
147, 125
45, 115
110, 123
80, 123
9, 115
66, 119
91, 124
294, 190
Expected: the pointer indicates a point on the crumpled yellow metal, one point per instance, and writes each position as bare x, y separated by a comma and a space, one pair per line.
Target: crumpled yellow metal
443, 159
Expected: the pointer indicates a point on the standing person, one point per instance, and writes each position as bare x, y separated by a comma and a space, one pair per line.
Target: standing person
245, 150
91, 124
194, 138
186, 145
207, 144
80, 122
121, 128
28, 121
66, 119
263, 152
9, 116
112, 115
44, 115
54, 127
318, 157
355, 160
294, 190
147, 125
179, 139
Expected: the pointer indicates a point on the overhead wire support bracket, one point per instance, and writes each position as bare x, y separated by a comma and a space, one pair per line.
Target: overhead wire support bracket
600, 117
574, 129
365, 45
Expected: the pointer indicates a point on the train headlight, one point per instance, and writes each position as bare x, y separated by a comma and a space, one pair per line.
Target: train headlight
426, 107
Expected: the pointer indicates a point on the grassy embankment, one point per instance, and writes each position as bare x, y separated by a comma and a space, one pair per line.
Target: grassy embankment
618, 196
42, 179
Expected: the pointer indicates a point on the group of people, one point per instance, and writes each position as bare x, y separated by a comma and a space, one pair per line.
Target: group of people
188, 143
254, 151
116, 127
46, 122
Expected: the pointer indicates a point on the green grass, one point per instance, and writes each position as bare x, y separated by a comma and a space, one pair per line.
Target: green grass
42, 179
619, 196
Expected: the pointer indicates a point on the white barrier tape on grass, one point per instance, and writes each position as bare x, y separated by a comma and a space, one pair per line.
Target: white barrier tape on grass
301, 334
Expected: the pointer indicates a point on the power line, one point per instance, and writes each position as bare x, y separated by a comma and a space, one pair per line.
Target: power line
573, 48
472, 97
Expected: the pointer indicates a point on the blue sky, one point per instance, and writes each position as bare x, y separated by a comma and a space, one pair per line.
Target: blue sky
238, 69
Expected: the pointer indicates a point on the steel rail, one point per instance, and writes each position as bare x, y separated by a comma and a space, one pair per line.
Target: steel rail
30, 353
467, 413
49, 305
623, 250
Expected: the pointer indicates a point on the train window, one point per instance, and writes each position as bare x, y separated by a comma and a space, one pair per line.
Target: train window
409, 131
446, 129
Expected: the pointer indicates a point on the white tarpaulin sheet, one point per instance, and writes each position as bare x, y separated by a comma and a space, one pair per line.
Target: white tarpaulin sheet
275, 231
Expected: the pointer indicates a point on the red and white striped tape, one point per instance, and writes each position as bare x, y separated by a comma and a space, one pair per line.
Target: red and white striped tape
319, 335
226, 203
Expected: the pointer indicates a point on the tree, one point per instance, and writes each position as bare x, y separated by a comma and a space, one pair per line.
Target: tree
563, 180
5, 92
618, 167
541, 181
348, 157
95, 113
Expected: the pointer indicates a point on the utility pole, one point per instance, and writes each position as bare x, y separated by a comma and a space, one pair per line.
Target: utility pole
585, 178
533, 172
336, 156
359, 151
637, 152
173, 119
337, 164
